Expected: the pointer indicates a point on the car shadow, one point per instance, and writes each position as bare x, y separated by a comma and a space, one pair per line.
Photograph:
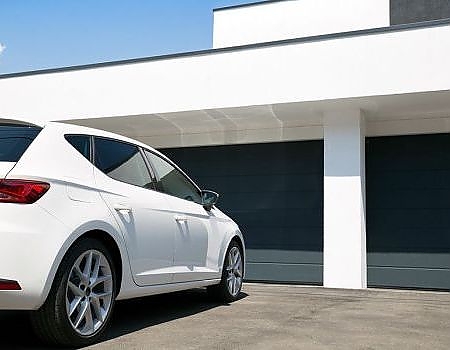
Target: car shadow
129, 316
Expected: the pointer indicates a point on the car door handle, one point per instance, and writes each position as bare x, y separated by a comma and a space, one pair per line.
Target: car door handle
180, 218
122, 207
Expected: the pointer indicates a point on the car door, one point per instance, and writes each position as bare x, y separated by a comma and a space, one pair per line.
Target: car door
192, 241
127, 187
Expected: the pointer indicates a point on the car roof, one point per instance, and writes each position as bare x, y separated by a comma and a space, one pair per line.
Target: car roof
67, 128
20, 121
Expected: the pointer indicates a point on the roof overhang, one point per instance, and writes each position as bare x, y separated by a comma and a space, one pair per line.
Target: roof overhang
279, 122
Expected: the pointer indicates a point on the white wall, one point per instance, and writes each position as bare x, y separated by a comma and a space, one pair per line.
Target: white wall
296, 19
382, 64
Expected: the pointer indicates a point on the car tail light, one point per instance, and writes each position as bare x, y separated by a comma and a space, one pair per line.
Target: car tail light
22, 191
9, 285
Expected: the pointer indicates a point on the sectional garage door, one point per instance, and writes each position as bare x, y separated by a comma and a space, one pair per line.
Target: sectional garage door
275, 192
408, 211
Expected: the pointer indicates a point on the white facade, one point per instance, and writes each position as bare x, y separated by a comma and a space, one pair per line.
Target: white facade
280, 20
340, 88
279, 87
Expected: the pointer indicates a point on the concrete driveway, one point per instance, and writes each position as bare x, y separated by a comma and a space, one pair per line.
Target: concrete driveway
269, 317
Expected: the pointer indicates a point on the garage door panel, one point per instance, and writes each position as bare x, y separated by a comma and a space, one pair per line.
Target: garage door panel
418, 221
275, 193
436, 260
417, 241
416, 179
277, 272
409, 277
394, 243
284, 256
251, 159
420, 198
408, 211
276, 265
249, 168
283, 238
263, 183
272, 219
270, 200
396, 166
399, 153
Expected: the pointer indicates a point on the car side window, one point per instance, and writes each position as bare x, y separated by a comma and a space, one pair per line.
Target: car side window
82, 143
122, 161
172, 181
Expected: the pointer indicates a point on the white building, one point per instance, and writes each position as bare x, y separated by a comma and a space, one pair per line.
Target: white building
325, 125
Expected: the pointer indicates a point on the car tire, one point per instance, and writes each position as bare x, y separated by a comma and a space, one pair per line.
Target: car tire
230, 285
81, 300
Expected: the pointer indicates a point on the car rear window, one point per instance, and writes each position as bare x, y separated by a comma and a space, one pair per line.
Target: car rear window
14, 141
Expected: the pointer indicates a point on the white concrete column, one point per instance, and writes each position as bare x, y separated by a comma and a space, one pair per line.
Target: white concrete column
344, 200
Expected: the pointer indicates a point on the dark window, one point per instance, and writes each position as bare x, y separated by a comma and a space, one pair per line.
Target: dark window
411, 11
14, 141
122, 162
82, 144
172, 181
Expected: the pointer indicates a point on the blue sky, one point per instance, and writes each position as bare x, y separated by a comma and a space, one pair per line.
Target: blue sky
39, 34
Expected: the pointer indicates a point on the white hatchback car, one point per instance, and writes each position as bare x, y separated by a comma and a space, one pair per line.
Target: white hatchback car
89, 217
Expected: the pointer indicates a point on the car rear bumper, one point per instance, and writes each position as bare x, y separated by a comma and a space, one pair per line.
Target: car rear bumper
30, 240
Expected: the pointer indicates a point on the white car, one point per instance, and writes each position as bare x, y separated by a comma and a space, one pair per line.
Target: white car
89, 217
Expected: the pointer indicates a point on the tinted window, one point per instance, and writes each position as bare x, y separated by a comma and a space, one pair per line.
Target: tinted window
82, 144
172, 181
122, 162
14, 140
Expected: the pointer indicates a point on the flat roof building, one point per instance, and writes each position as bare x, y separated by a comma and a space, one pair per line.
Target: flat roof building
324, 124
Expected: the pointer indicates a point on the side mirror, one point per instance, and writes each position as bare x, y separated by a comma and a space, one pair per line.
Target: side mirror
209, 198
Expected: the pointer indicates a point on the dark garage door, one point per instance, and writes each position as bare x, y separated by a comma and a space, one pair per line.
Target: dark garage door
408, 211
275, 192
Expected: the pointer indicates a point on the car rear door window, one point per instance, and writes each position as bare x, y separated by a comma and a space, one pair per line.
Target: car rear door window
122, 161
172, 181
14, 141
82, 143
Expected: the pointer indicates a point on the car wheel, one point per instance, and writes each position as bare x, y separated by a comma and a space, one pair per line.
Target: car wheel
81, 300
232, 275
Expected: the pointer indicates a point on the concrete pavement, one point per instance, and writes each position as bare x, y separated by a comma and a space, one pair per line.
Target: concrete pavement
270, 317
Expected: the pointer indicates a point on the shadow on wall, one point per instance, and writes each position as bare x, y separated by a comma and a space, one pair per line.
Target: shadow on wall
129, 316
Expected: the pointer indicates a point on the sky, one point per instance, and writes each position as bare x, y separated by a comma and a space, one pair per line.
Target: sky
41, 34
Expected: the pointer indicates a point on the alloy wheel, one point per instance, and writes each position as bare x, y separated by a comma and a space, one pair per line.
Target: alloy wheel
89, 293
234, 271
